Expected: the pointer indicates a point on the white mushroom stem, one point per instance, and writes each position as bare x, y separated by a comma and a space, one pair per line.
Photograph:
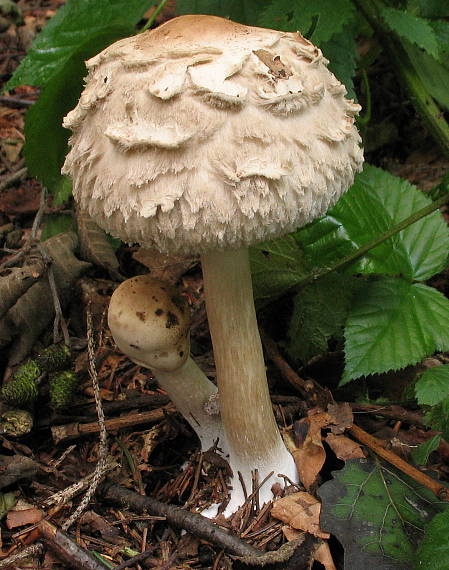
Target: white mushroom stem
251, 433
191, 391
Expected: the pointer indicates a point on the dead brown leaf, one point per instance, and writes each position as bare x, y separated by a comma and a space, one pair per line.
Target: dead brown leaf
310, 454
22, 514
301, 511
323, 556
342, 418
343, 447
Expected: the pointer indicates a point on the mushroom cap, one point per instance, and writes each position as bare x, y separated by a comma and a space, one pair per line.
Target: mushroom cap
205, 134
150, 323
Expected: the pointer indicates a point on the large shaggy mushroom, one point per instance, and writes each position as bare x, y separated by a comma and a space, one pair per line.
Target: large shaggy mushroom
206, 136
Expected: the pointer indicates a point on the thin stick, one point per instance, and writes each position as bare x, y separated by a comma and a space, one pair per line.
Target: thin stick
11, 178
153, 16
377, 445
33, 550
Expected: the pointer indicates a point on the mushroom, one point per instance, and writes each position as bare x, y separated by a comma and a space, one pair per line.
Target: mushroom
207, 136
150, 323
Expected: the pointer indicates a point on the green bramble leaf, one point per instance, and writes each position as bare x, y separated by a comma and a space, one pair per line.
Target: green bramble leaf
433, 552
276, 266
319, 314
378, 514
340, 50
391, 324
376, 202
433, 385
413, 28
421, 454
330, 16
437, 418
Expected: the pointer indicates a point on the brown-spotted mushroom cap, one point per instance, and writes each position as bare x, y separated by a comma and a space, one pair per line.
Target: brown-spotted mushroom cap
150, 323
205, 133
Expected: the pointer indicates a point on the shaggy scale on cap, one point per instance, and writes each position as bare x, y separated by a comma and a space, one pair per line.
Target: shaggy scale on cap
205, 133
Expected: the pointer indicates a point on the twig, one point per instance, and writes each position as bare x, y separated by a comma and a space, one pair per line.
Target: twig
103, 446
59, 321
15, 101
76, 430
67, 549
13, 177
194, 523
377, 446
135, 559
62, 497
32, 550
393, 412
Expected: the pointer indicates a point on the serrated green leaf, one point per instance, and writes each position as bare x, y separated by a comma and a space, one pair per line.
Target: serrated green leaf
75, 24
421, 454
413, 28
376, 202
340, 50
438, 418
319, 314
243, 11
331, 17
276, 266
376, 513
433, 385
441, 29
433, 552
391, 324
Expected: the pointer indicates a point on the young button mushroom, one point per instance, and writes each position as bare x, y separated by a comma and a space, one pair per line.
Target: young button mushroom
150, 323
206, 136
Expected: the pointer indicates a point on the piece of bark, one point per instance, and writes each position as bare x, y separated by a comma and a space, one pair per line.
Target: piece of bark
34, 311
70, 431
15, 281
16, 468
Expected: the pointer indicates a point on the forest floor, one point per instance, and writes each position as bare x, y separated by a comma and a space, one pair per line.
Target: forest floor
150, 450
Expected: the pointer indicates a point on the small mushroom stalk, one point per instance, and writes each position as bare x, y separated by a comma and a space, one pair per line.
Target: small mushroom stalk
150, 324
251, 434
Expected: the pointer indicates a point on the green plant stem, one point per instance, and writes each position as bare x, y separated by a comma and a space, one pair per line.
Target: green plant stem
416, 216
154, 15
366, 117
429, 111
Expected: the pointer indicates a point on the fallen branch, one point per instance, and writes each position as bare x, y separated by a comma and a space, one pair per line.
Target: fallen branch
194, 523
378, 446
76, 430
27, 552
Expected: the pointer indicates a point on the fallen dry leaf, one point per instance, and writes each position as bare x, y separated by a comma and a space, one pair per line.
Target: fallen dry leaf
323, 556
342, 417
343, 447
22, 514
310, 455
301, 511
291, 533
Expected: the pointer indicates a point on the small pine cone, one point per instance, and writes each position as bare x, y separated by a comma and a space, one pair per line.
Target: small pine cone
53, 358
22, 389
62, 388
